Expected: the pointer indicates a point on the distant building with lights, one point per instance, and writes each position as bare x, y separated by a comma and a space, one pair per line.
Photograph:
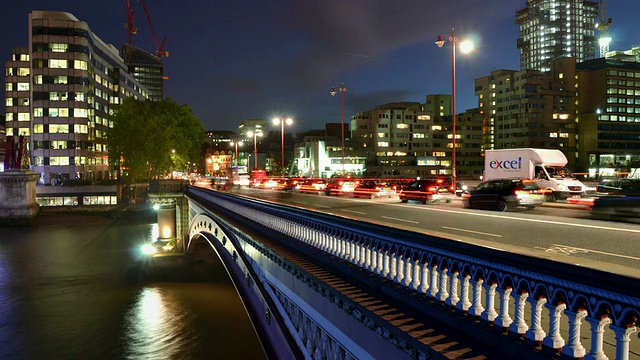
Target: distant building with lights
608, 116
60, 92
552, 29
147, 68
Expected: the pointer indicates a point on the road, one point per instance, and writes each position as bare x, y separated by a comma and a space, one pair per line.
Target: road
561, 232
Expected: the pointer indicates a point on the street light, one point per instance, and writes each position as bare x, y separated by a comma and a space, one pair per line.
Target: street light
466, 46
255, 134
277, 121
333, 92
236, 144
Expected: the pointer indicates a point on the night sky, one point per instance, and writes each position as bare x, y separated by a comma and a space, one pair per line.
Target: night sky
234, 60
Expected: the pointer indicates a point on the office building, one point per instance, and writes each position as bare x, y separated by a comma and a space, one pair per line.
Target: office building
530, 108
553, 29
608, 116
147, 68
60, 91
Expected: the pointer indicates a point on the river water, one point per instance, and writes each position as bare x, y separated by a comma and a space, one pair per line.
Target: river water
66, 293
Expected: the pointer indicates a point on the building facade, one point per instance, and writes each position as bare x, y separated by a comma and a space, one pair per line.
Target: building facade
552, 29
530, 108
608, 116
146, 68
60, 91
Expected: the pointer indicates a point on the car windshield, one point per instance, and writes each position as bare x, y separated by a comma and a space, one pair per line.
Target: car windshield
558, 172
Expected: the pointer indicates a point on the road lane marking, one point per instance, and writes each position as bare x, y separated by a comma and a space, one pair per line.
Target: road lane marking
324, 206
299, 202
471, 231
440, 209
577, 249
396, 219
355, 212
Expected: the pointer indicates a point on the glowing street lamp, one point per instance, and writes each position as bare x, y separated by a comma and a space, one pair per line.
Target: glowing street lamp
333, 92
236, 144
278, 121
255, 134
466, 46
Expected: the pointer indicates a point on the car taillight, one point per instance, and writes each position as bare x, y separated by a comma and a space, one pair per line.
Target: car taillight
432, 189
521, 193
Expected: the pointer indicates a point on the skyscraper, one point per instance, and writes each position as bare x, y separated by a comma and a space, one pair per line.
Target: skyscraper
553, 29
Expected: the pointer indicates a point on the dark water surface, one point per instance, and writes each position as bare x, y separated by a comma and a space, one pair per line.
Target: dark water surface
64, 294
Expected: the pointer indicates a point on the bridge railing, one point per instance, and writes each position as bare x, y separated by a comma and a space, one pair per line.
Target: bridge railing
469, 277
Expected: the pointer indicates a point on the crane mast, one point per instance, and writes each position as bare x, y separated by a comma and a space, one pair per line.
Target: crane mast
604, 39
132, 29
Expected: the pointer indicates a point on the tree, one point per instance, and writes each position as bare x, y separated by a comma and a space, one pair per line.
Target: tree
150, 138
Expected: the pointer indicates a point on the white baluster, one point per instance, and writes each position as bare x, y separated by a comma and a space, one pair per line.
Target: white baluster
504, 320
574, 348
490, 314
353, 251
385, 264
536, 333
363, 255
400, 269
380, 265
443, 293
393, 267
373, 264
519, 325
476, 307
433, 286
408, 272
453, 290
424, 278
623, 337
464, 304
415, 285
597, 338
554, 340
367, 258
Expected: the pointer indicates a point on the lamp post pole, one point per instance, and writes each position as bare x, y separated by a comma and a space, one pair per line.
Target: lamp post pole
236, 144
440, 42
255, 135
333, 92
277, 121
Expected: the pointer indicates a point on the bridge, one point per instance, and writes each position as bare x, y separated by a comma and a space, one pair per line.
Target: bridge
327, 287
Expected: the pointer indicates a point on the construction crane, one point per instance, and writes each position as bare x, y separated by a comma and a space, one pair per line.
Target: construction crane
132, 29
603, 29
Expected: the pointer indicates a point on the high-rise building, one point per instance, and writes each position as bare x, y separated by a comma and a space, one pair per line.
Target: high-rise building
552, 29
608, 116
59, 93
147, 68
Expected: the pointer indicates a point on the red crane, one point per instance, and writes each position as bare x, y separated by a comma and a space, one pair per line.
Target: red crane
131, 27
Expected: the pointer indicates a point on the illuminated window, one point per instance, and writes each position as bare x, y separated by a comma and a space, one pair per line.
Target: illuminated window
402, 126
59, 128
37, 79
58, 64
82, 113
23, 72
8, 102
54, 47
59, 160
382, 135
80, 129
80, 65
436, 127
38, 128
23, 86
60, 79
38, 112
23, 117
383, 144
23, 131
424, 117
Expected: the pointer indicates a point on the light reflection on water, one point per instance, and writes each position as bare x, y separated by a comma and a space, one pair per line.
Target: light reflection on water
64, 294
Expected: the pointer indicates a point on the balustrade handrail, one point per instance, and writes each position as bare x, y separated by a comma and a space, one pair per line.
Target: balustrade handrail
452, 271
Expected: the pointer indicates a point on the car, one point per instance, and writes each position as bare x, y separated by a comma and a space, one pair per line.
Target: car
311, 185
503, 194
425, 190
340, 186
373, 189
618, 186
620, 202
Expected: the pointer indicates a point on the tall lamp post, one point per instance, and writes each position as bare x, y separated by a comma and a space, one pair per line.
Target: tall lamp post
236, 144
278, 121
466, 46
255, 135
333, 92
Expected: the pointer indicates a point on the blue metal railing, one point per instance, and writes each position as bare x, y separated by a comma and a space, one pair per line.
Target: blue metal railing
460, 274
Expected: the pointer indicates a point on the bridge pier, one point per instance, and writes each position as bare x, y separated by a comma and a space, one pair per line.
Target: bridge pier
172, 209
18, 205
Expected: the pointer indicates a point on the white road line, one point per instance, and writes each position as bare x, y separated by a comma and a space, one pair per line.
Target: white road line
299, 202
471, 231
396, 219
440, 209
599, 252
355, 212
323, 206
